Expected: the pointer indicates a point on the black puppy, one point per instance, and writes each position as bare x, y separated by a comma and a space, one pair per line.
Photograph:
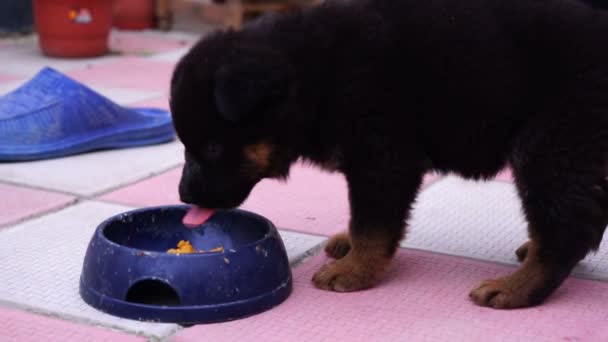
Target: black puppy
386, 90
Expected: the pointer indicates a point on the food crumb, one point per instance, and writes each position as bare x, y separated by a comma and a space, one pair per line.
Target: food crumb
183, 247
219, 249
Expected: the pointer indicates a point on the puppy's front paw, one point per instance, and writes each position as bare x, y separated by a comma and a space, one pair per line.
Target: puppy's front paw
527, 286
347, 275
338, 246
341, 277
500, 294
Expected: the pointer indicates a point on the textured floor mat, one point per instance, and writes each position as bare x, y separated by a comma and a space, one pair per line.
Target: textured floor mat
19, 326
424, 298
20, 203
481, 221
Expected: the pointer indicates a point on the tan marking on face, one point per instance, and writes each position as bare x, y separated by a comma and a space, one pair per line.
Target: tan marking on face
259, 154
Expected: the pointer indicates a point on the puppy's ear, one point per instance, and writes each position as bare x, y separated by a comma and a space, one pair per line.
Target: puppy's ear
244, 87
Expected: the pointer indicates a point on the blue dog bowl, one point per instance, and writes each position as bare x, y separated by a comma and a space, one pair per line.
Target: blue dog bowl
128, 273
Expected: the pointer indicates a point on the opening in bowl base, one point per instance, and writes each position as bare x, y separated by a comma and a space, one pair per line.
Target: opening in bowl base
186, 314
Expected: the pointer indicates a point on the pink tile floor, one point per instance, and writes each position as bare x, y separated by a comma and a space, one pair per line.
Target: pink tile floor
136, 43
7, 78
128, 72
20, 203
20, 326
422, 299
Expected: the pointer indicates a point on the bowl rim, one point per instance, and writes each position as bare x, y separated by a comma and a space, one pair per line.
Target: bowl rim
99, 231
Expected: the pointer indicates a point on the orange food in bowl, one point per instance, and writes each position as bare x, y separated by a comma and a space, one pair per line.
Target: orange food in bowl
183, 247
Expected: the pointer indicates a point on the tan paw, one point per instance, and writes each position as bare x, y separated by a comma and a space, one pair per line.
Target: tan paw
498, 294
338, 246
525, 287
345, 275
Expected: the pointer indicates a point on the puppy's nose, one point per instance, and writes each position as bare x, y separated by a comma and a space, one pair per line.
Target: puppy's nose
186, 199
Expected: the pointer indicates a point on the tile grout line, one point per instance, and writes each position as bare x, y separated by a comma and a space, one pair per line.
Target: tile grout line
309, 254
574, 274
94, 194
169, 336
77, 198
76, 319
9, 225
143, 178
301, 232
112, 202
162, 95
38, 188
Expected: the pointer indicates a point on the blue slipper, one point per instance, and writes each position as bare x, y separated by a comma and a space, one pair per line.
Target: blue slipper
54, 116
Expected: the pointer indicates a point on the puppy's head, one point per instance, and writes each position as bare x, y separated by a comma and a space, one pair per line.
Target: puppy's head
227, 97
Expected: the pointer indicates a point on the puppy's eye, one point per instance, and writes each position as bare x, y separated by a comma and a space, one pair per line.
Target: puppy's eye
213, 151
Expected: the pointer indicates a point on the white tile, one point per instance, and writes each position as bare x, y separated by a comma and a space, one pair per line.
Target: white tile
91, 173
180, 35
26, 59
121, 96
171, 56
299, 246
125, 96
7, 87
482, 221
42, 261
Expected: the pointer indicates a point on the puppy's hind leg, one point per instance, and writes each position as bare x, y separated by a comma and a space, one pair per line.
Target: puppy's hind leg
560, 169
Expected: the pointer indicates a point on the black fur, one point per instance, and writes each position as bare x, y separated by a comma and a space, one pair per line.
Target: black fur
386, 90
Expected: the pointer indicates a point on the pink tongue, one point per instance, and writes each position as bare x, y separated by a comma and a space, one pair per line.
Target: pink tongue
197, 216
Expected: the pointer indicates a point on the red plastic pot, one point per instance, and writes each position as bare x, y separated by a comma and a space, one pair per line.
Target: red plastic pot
134, 14
73, 28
